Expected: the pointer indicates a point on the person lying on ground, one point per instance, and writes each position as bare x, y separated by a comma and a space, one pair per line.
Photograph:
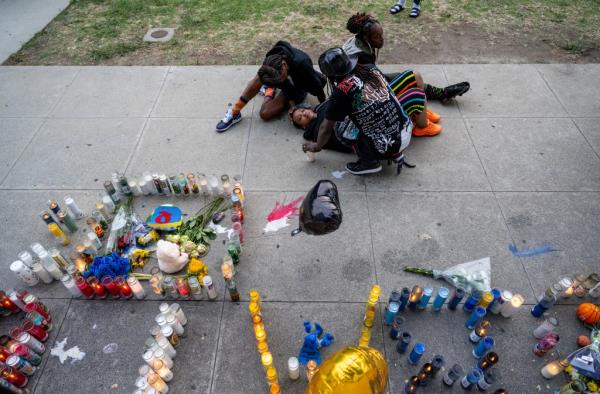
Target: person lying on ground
305, 118
287, 69
382, 129
365, 45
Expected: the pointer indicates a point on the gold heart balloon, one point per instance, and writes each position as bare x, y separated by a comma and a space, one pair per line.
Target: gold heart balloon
352, 370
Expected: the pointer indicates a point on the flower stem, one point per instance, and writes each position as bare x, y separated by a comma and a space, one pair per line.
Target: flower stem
420, 271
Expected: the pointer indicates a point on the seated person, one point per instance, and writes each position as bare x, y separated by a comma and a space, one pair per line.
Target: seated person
286, 68
365, 45
381, 128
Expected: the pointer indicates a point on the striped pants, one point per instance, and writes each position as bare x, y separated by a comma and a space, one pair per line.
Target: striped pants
404, 86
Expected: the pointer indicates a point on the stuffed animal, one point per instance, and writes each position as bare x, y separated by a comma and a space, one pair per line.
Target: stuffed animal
313, 341
170, 259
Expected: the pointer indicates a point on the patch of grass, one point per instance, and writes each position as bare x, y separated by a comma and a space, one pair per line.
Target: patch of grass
240, 31
113, 50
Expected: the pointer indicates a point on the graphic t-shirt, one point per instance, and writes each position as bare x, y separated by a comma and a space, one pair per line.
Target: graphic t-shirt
374, 110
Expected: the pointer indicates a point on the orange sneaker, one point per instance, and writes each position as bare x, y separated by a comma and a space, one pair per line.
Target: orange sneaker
434, 117
429, 131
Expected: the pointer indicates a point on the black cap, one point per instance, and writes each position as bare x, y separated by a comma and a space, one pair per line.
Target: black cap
335, 63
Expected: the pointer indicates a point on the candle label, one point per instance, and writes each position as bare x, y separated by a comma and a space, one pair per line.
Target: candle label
474, 337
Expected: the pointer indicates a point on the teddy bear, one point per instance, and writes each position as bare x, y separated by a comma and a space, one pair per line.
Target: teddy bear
170, 259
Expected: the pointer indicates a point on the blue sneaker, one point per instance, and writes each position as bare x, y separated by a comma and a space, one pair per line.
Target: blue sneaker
228, 120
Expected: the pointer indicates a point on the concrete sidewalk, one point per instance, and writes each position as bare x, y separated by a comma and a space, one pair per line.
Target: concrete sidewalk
518, 163
21, 19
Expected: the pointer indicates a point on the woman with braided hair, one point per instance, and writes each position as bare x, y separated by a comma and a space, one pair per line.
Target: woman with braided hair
285, 68
365, 46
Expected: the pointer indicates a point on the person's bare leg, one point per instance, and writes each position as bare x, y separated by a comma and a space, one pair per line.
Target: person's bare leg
272, 107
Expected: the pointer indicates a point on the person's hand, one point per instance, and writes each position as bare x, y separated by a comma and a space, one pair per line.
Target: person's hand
310, 147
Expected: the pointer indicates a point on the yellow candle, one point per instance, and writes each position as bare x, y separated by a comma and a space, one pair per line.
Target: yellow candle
266, 359
486, 299
58, 233
254, 296
271, 375
275, 389
262, 347
254, 308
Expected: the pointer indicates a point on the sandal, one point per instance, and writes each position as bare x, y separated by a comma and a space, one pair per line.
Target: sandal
396, 9
415, 12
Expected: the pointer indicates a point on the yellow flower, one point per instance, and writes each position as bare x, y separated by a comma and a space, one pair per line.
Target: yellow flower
592, 386
569, 368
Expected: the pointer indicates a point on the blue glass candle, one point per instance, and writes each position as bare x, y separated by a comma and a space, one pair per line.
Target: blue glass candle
542, 306
472, 301
482, 347
390, 313
394, 297
404, 298
457, 297
440, 298
497, 294
396, 325
471, 378
402, 345
427, 292
416, 354
475, 318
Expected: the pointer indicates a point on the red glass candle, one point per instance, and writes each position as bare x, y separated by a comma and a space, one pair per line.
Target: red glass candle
124, 288
36, 331
13, 376
15, 332
97, 287
84, 287
182, 287
35, 306
111, 286
4, 354
7, 303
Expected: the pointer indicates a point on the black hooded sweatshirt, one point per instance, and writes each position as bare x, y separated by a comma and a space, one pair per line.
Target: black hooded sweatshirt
300, 69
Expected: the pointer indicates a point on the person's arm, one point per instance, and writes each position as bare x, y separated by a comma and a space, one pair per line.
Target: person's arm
324, 135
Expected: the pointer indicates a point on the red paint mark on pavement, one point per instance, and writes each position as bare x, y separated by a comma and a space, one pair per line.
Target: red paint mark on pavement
281, 211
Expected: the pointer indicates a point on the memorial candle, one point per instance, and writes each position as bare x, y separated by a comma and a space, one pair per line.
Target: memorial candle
548, 325
267, 360
480, 331
7, 303
402, 345
416, 354
182, 287
404, 295
136, 287
554, 368
457, 296
157, 383
111, 286
509, 308
38, 332
483, 346
13, 376
124, 289
28, 354
472, 301
162, 370
293, 368
477, 315
440, 299
415, 297
427, 292
486, 362
69, 283
97, 287
84, 287
547, 343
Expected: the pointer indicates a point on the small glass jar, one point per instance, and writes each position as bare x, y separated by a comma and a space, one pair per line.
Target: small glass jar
210, 287
156, 281
554, 368
111, 286
178, 312
162, 370
169, 287
195, 288
415, 297
38, 332
160, 354
124, 289
95, 227
136, 287
182, 287
165, 345
24, 273
173, 322
509, 308
293, 368
97, 287
84, 287
547, 326
69, 283
170, 334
